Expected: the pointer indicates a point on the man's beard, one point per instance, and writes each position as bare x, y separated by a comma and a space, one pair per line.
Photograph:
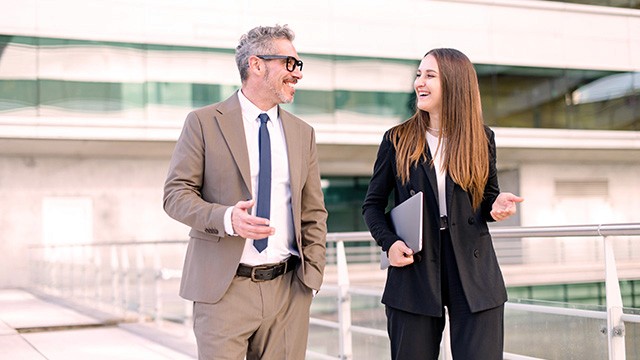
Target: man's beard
284, 99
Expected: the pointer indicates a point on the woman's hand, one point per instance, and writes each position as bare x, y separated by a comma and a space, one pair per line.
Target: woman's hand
400, 254
504, 206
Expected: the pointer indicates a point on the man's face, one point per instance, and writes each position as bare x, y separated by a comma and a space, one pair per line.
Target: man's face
280, 82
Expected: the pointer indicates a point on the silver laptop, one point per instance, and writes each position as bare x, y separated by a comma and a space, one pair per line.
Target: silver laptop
407, 222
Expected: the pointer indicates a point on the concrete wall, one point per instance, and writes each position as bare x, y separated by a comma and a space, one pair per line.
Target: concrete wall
513, 32
574, 193
47, 199
118, 194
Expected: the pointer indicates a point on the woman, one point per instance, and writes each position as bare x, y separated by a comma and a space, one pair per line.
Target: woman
445, 151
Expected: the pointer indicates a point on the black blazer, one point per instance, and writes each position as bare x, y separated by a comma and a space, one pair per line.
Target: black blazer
416, 288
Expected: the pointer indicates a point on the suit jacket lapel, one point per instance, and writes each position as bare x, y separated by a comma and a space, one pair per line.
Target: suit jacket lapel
449, 185
232, 127
431, 174
292, 137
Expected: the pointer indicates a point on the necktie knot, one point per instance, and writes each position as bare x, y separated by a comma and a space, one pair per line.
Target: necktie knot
263, 118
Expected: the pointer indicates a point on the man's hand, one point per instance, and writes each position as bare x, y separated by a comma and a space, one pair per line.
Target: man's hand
400, 254
504, 206
247, 225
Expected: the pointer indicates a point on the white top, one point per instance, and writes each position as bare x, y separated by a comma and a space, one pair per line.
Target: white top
282, 243
441, 174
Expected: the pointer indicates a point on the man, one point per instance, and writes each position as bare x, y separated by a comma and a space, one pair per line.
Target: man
244, 176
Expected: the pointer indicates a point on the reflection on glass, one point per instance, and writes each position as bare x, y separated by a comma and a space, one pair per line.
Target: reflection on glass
575, 335
633, 4
143, 82
608, 88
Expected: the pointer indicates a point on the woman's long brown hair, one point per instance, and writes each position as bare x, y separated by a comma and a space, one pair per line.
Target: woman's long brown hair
466, 153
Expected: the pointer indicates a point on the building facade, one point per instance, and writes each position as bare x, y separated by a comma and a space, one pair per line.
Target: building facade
93, 96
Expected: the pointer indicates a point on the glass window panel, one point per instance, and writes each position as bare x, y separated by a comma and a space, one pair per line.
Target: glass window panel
591, 293
376, 103
557, 98
133, 96
81, 96
173, 94
18, 95
633, 4
311, 102
584, 293
550, 336
343, 199
205, 94
512, 96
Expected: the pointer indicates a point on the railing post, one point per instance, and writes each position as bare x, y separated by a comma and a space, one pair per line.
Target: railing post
86, 264
56, 274
157, 279
344, 304
97, 268
140, 281
71, 276
615, 325
124, 270
115, 277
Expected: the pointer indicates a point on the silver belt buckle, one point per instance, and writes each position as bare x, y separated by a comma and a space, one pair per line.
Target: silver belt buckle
253, 272
444, 222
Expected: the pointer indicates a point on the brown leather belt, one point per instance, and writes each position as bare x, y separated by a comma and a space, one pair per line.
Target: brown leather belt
267, 272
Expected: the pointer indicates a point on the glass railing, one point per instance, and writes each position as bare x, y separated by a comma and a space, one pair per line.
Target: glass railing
140, 280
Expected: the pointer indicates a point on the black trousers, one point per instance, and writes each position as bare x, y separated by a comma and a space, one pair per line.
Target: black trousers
477, 335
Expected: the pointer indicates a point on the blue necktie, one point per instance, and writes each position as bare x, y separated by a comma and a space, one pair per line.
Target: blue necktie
264, 178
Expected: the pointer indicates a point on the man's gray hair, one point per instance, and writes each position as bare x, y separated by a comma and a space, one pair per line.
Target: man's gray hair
259, 41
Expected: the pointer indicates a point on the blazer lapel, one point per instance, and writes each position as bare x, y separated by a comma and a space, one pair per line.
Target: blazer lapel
431, 174
450, 186
292, 137
232, 127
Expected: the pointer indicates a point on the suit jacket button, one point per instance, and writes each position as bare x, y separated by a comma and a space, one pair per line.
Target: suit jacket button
471, 220
412, 192
476, 253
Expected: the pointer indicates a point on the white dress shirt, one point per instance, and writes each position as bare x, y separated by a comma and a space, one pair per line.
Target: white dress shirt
436, 152
281, 244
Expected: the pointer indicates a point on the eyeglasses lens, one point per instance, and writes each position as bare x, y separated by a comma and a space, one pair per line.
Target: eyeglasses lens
292, 63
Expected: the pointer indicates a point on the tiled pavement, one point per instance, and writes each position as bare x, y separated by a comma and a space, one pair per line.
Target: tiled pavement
34, 329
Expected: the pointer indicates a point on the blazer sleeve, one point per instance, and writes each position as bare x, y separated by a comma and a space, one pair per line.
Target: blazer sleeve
313, 219
182, 190
491, 189
381, 185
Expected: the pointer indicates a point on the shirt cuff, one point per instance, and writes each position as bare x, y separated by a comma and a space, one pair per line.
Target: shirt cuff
228, 227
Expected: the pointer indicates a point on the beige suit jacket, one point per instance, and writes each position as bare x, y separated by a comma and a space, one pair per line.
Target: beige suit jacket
209, 171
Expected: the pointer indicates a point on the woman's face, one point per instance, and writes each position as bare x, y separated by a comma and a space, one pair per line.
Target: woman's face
427, 86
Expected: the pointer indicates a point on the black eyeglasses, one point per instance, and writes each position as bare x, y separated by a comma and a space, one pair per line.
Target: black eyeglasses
290, 62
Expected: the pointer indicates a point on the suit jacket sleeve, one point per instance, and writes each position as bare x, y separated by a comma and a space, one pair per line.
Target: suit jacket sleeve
313, 221
182, 191
491, 189
381, 185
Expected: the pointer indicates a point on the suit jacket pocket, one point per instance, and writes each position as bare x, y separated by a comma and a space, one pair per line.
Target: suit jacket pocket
204, 236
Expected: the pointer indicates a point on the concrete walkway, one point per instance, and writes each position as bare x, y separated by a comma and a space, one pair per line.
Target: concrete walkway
34, 329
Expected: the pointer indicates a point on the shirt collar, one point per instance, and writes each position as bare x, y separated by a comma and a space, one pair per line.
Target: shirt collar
250, 112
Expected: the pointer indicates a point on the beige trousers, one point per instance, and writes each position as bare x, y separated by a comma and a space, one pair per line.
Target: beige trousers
257, 320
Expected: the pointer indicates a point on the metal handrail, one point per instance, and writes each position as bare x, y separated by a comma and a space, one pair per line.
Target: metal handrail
124, 274
614, 316
365, 236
